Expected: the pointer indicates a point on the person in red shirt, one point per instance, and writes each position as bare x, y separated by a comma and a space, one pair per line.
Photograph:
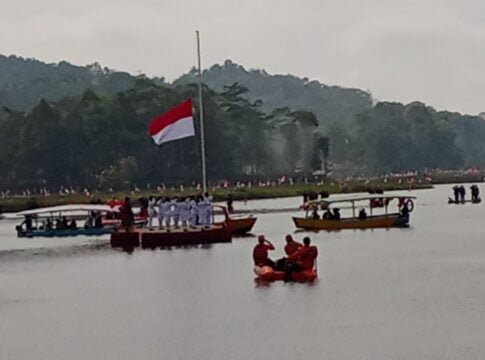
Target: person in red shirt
260, 252
302, 259
291, 245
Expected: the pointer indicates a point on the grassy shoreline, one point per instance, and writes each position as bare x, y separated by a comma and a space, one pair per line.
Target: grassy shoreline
19, 203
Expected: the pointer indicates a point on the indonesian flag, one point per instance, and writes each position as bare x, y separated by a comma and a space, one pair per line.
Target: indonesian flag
176, 123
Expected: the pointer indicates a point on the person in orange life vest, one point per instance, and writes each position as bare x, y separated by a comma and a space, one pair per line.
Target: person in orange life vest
290, 248
302, 259
260, 252
291, 245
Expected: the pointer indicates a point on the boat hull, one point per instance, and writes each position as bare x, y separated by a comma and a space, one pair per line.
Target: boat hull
151, 239
266, 273
241, 226
65, 232
385, 221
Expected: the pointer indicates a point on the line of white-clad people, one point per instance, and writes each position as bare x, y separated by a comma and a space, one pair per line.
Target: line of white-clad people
191, 211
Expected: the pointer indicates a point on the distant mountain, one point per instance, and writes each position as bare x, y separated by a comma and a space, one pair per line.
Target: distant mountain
330, 104
24, 82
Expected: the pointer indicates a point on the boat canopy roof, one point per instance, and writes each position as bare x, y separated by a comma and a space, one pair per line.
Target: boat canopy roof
70, 208
357, 198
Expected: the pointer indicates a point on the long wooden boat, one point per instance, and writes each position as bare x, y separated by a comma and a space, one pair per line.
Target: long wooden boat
312, 221
39, 222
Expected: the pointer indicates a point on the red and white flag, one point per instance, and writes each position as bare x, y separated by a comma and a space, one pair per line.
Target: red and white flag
176, 123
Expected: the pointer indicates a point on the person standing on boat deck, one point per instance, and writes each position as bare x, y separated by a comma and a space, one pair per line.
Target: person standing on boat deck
192, 212
260, 252
162, 212
184, 207
126, 215
152, 213
175, 211
169, 213
207, 209
200, 210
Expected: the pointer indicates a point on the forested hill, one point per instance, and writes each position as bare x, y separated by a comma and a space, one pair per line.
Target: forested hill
70, 125
330, 104
24, 82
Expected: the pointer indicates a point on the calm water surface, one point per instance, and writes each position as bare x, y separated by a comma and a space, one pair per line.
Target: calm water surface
415, 293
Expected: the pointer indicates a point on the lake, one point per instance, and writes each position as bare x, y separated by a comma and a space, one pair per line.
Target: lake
416, 293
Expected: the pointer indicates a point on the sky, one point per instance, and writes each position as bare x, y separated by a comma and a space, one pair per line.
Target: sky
426, 50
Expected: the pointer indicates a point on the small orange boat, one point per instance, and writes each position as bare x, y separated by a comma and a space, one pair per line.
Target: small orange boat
266, 273
238, 225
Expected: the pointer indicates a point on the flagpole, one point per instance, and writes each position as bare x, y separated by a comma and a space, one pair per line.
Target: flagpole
201, 112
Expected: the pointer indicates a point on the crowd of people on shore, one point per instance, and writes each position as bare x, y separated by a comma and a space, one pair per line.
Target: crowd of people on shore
299, 257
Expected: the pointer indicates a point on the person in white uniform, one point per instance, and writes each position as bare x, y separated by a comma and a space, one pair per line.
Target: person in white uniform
152, 212
175, 211
184, 205
192, 212
207, 200
160, 211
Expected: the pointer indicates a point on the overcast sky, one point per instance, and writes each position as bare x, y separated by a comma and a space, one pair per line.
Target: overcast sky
406, 50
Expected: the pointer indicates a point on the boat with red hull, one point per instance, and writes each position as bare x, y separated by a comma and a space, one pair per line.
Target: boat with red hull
151, 239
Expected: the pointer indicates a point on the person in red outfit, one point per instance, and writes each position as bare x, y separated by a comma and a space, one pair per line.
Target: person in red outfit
302, 259
260, 252
291, 246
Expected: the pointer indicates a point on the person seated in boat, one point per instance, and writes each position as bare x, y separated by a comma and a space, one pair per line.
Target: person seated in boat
315, 213
302, 259
73, 224
327, 215
59, 225
336, 214
64, 223
291, 247
27, 222
98, 220
404, 212
48, 224
260, 252
362, 214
